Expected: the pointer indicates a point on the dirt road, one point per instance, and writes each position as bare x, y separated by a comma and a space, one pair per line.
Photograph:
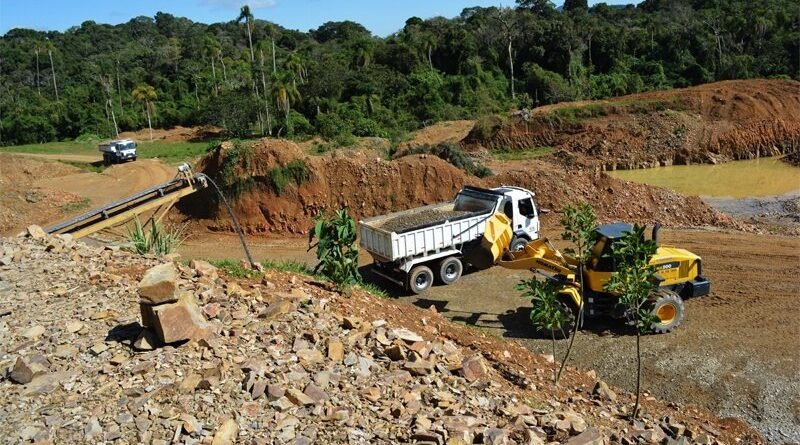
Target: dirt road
36, 189
114, 182
736, 353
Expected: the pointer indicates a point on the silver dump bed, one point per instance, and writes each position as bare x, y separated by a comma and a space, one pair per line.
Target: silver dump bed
428, 238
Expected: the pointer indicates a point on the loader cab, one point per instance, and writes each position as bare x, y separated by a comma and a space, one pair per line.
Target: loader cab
602, 264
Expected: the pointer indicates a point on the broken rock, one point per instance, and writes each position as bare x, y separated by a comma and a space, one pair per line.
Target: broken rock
159, 284
180, 321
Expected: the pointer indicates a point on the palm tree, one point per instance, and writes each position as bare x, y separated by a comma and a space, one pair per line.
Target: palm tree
145, 94
284, 91
247, 16
294, 63
50, 47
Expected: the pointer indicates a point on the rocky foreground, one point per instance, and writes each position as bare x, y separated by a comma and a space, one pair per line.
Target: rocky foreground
281, 358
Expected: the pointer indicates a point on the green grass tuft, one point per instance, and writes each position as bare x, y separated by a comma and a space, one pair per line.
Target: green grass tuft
75, 206
235, 269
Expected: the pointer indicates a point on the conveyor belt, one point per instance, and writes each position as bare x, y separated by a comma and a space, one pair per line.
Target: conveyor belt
126, 208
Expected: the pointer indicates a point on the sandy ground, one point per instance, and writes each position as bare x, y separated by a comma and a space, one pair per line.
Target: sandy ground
736, 353
114, 182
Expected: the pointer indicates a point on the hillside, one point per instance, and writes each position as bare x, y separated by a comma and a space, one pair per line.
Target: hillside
711, 123
282, 359
246, 74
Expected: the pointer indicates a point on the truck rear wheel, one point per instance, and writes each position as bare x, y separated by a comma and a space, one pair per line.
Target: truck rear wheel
420, 279
450, 270
668, 309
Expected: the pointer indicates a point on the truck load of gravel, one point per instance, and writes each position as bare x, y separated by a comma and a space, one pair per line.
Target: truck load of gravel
407, 221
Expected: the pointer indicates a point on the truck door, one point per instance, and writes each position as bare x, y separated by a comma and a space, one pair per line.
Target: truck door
527, 219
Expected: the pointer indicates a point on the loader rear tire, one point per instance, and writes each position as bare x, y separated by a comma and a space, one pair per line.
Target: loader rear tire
669, 310
450, 270
420, 279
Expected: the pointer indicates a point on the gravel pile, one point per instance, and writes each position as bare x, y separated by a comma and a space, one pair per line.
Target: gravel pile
411, 220
271, 364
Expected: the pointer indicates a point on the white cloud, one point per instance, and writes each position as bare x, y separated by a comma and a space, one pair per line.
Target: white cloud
236, 4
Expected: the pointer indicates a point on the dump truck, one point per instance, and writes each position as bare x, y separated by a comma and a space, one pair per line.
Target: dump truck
414, 248
679, 273
118, 151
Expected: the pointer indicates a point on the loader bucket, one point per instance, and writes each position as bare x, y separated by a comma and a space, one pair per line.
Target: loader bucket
495, 240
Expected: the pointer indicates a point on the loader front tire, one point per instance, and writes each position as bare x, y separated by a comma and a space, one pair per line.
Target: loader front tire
420, 279
669, 310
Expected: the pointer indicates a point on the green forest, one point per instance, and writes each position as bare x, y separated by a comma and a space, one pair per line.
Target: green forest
253, 77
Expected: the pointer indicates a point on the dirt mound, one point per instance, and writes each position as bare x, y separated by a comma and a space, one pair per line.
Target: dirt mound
21, 202
371, 186
174, 134
448, 131
711, 123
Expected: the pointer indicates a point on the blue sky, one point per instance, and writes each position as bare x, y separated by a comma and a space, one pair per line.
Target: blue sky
382, 17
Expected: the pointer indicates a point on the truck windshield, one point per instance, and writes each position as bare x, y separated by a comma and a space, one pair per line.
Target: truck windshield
126, 146
466, 203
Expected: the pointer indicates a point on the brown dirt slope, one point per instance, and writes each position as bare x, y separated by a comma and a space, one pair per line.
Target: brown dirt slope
371, 186
717, 122
21, 203
173, 134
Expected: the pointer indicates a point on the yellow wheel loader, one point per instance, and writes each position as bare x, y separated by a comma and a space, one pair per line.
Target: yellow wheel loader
679, 273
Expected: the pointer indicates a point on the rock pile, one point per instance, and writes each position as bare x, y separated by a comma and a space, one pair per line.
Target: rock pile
267, 361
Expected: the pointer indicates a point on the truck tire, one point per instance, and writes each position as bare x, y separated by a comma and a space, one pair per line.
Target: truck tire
517, 244
420, 279
106, 160
450, 270
668, 308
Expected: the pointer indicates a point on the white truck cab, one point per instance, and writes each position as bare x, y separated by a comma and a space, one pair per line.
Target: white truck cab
439, 249
519, 207
118, 151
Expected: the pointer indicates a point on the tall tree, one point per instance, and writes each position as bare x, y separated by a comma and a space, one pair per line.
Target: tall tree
247, 16
50, 48
211, 50
145, 95
507, 19
283, 91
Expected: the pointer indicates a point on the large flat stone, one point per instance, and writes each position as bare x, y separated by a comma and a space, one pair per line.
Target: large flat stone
159, 284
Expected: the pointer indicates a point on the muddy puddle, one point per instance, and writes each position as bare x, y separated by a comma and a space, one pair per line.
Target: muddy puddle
756, 178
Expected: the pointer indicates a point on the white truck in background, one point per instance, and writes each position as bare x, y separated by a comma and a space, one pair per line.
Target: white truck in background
413, 257
118, 151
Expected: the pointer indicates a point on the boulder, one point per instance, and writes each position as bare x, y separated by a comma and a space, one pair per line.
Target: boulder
36, 232
159, 284
25, 370
474, 368
226, 433
589, 437
204, 269
180, 321
602, 390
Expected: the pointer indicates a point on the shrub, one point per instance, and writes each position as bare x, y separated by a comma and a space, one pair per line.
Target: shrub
294, 172
236, 162
546, 314
336, 249
158, 240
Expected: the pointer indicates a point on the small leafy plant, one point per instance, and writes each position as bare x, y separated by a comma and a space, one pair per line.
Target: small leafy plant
336, 249
159, 240
546, 313
633, 281
579, 228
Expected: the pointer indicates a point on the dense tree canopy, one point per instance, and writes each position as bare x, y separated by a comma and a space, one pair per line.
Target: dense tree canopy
338, 80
